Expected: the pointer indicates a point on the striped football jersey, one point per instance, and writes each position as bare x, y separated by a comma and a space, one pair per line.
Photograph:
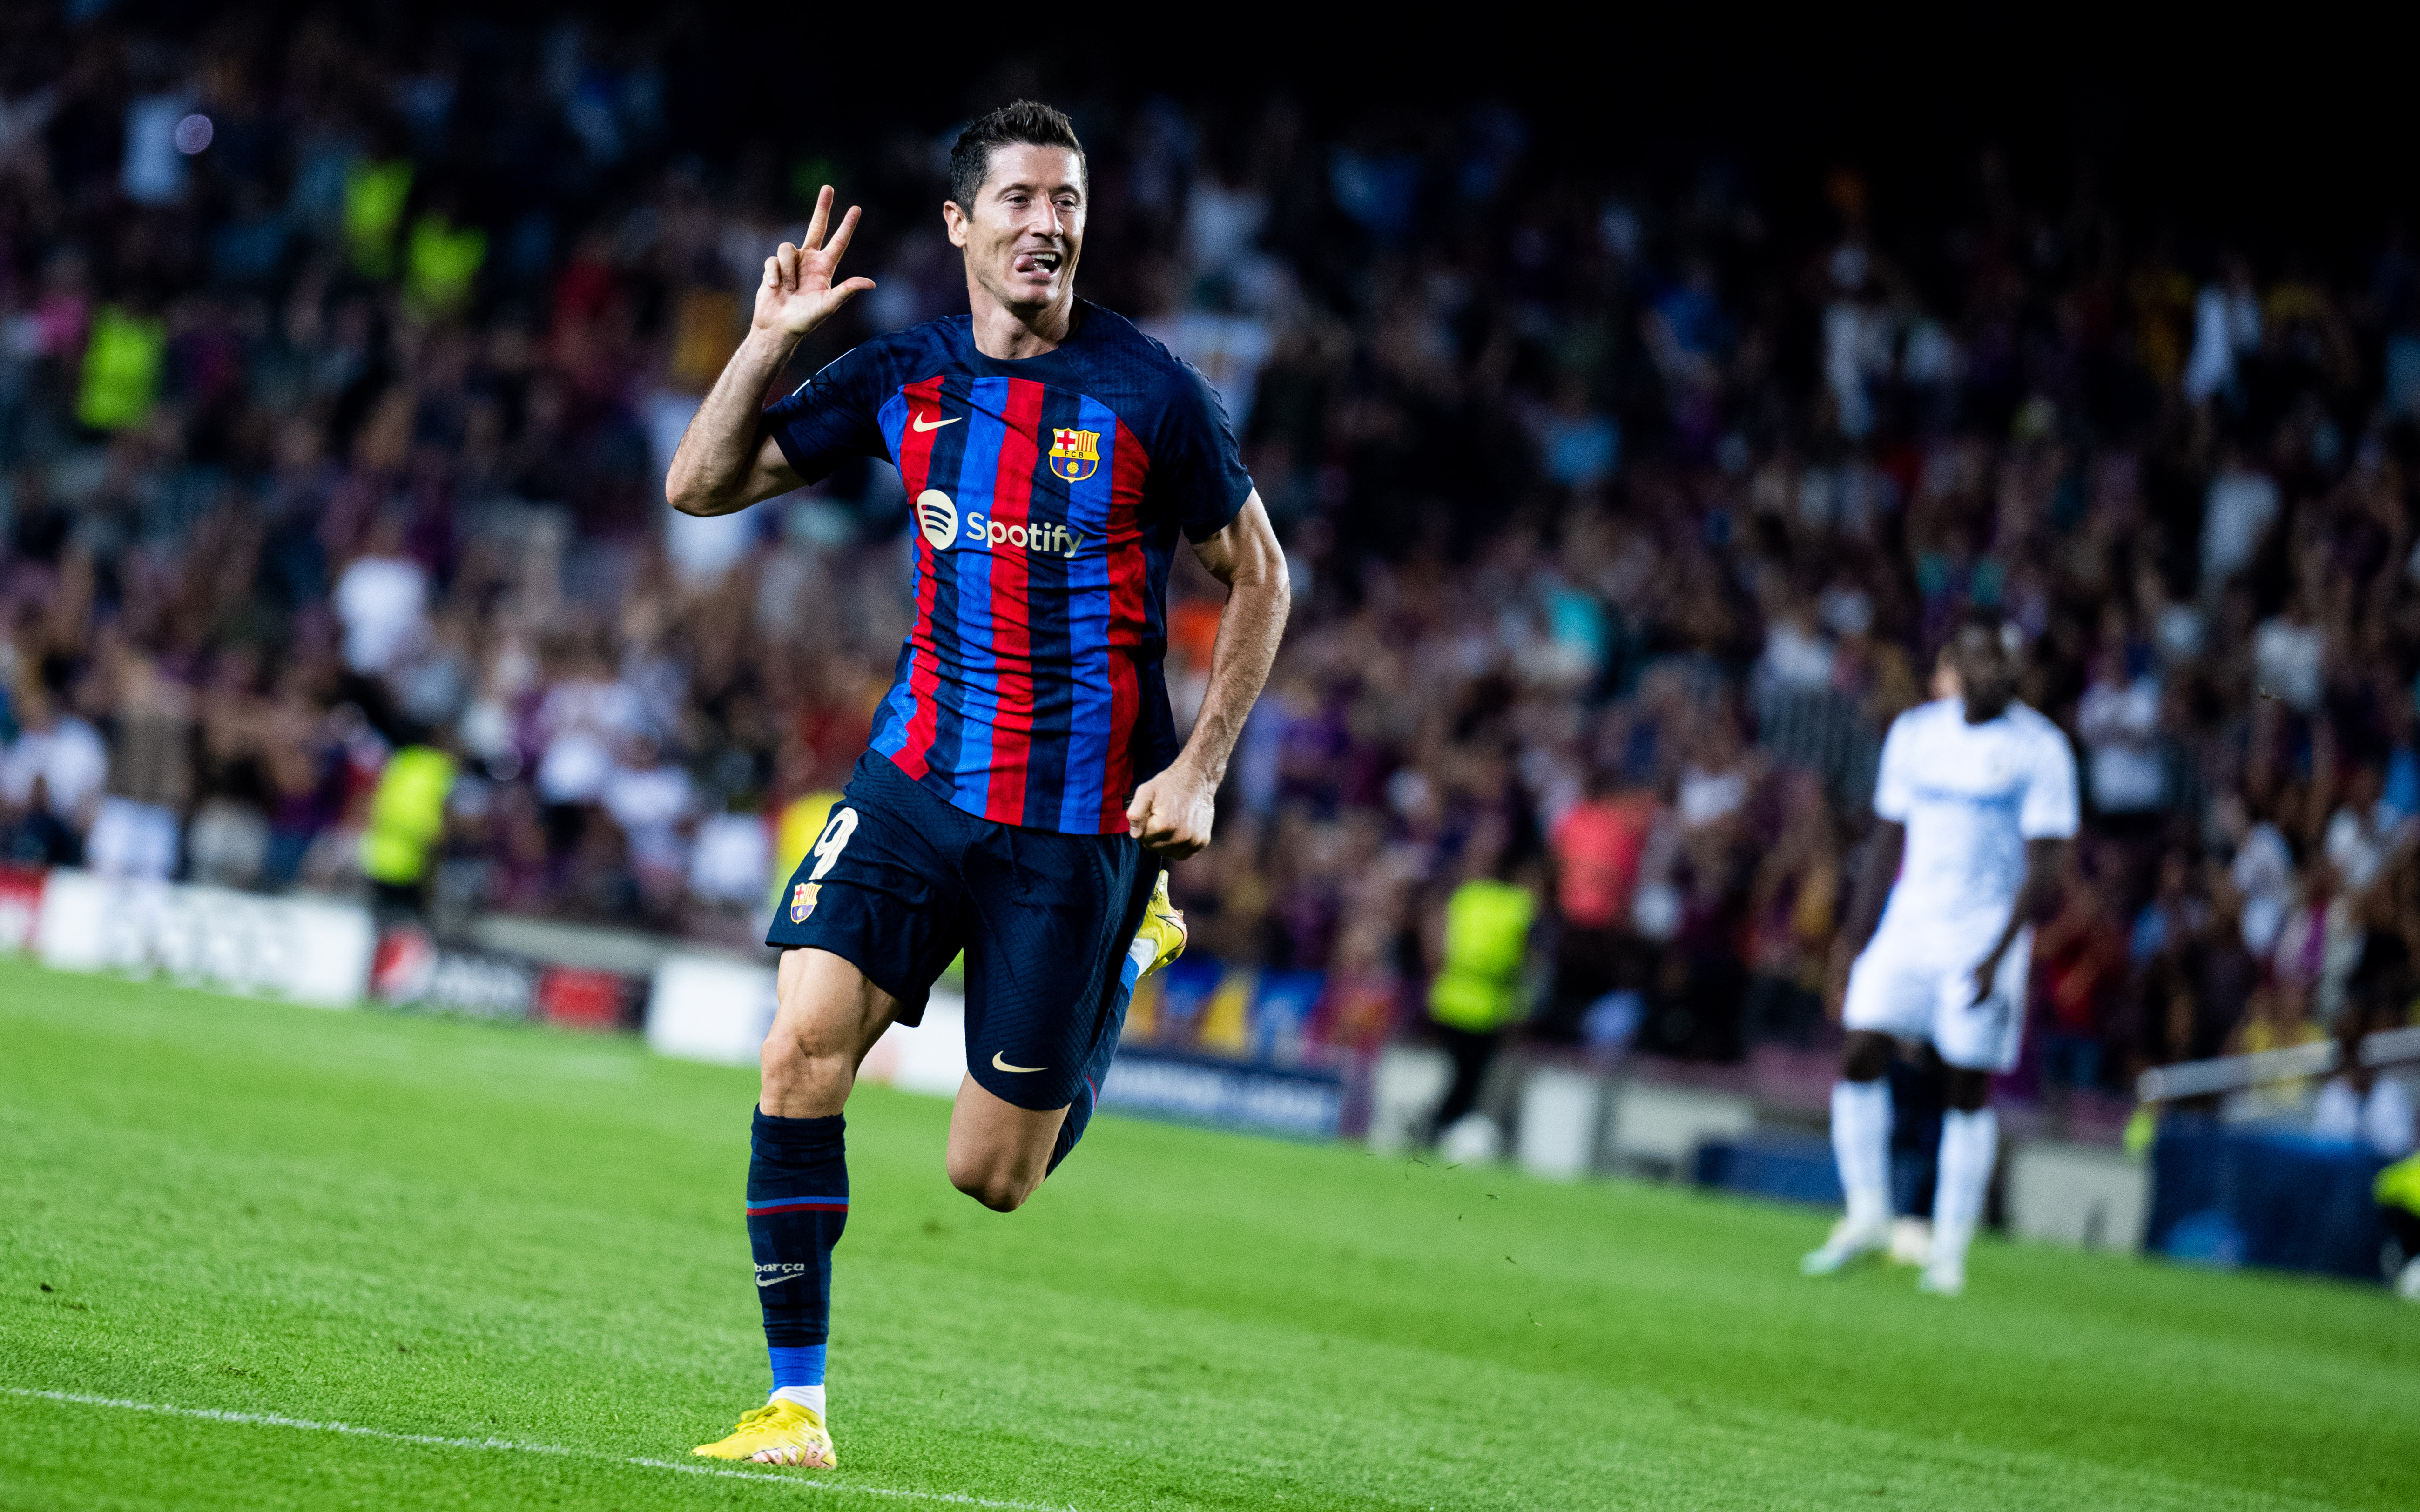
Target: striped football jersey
1048, 494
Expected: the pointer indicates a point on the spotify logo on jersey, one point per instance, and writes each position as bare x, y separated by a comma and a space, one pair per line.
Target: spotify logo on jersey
937, 518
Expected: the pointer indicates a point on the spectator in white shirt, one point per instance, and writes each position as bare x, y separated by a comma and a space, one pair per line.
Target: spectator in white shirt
2262, 871
2226, 323
57, 749
2364, 831
2289, 658
382, 599
652, 800
2236, 512
2358, 1107
2118, 720
583, 720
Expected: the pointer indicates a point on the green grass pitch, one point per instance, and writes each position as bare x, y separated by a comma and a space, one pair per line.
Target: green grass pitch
514, 1257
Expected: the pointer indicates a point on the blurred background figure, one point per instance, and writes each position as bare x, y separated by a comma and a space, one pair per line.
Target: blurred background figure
1625, 505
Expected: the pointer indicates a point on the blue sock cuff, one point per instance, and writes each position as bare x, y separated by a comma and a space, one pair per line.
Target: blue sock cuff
798, 1366
799, 1136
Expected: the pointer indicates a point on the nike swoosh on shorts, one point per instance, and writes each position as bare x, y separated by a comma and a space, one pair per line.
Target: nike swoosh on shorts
997, 1064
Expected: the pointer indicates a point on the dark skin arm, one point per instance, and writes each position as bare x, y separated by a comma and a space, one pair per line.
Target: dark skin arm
2044, 860
1866, 906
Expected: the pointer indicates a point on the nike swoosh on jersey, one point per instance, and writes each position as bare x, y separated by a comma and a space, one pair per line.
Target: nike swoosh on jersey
997, 1064
921, 426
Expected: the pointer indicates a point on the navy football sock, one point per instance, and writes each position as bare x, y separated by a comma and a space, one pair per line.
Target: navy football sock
797, 1204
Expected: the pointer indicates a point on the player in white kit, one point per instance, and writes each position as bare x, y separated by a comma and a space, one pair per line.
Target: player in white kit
1976, 803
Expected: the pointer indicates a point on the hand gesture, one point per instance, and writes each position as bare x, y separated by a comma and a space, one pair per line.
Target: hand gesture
797, 293
1984, 973
1172, 813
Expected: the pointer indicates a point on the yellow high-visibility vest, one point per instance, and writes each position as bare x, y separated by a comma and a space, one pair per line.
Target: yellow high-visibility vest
407, 815
1486, 943
121, 369
2398, 1185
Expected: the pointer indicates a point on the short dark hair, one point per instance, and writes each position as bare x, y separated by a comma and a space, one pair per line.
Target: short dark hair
1020, 122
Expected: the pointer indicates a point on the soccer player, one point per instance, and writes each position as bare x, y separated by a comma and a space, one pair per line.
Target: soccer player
1024, 782
1975, 804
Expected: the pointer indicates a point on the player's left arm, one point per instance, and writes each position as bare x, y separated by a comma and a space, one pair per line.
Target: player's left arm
1172, 813
2047, 817
2044, 860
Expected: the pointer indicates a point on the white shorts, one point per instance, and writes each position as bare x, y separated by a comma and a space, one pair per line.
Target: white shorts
1919, 983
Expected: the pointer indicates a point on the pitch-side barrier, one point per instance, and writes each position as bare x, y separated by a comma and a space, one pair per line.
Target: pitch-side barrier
2235, 1073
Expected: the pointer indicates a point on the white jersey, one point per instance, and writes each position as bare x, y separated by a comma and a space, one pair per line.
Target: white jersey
1970, 796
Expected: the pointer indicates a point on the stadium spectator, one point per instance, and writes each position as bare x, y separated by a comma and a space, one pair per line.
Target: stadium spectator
1597, 847
2357, 1106
335, 430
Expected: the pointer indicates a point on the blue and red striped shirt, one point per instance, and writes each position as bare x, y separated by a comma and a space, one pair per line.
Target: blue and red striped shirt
1048, 495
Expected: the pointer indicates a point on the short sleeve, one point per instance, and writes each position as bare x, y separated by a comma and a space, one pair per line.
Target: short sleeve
2049, 810
831, 417
1895, 784
1197, 472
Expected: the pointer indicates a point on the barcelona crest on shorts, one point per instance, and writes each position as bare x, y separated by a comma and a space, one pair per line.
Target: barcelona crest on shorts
1075, 454
802, 901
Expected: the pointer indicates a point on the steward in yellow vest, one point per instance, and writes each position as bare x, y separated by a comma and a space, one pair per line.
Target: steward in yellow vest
406, 819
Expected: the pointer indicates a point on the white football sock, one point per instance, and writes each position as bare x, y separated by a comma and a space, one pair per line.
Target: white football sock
811, 1397
1970, 1142
1861, 1120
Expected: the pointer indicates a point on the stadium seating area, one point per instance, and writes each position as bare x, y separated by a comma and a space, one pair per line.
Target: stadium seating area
337, 383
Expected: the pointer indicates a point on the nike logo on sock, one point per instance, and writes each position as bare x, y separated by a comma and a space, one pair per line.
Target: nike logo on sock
997, 1064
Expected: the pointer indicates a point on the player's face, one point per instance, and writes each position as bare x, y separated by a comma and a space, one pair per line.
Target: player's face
1025, 228
1986, 673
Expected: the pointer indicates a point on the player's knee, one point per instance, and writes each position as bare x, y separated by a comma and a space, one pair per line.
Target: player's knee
791, 1064
1865, 1057
1001, 1190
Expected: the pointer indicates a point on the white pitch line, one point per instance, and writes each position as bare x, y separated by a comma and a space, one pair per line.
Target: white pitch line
271, 1419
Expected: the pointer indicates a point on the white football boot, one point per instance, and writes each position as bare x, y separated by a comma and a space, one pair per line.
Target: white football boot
1850, 1242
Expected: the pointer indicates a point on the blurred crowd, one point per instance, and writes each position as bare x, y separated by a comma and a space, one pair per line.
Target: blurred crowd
337, 381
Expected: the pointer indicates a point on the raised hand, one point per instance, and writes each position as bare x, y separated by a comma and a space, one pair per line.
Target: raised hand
797, 293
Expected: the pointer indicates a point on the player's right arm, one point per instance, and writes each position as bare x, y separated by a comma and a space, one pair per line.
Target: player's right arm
1874, 880
727, 458
1883, 855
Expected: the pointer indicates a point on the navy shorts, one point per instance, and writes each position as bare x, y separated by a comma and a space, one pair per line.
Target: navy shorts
900, 882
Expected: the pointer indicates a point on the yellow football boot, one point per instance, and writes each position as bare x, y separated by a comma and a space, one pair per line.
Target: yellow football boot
1162, 932
777, 1433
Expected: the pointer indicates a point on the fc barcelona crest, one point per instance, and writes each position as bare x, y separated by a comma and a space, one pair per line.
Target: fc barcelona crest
1074, 453
802, 901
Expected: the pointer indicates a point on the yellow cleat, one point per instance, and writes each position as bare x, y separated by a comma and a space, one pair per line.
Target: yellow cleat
1162, 932
777, 1433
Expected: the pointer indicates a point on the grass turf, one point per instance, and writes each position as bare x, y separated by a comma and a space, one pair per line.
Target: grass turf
421, 1227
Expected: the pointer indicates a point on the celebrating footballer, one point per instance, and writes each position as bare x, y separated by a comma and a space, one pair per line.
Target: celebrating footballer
1025, 783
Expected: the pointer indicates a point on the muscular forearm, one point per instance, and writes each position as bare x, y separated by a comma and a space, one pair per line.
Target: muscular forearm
716, 468
1249, 630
